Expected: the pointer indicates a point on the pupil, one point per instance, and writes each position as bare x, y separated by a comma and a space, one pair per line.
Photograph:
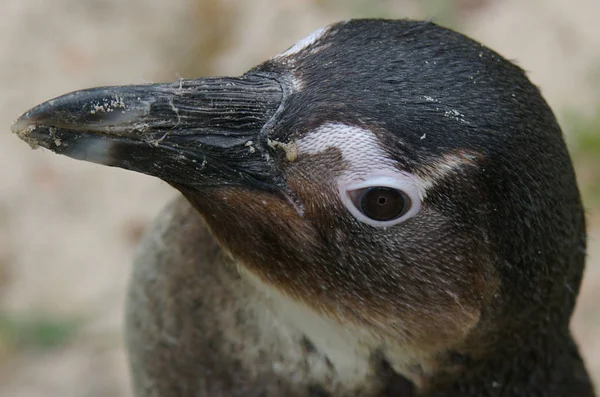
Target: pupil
382, 203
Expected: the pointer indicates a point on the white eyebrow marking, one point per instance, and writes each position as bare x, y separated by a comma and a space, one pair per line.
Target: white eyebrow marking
365, 156
304, 43
360, 148
361, 152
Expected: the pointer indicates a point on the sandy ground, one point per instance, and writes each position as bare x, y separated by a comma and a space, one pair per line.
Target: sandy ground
68, 229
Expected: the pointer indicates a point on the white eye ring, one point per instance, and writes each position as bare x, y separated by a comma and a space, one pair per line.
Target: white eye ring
397, 181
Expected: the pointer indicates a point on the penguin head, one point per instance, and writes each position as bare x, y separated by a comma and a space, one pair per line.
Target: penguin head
390, 175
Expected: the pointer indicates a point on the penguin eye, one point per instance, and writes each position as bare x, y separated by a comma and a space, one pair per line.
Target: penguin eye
382, 201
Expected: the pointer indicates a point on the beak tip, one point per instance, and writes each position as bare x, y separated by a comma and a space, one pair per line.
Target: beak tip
23, 127
37, 135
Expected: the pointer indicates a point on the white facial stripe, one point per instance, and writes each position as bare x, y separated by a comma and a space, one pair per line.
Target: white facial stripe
360, 148
304, 43
364, 155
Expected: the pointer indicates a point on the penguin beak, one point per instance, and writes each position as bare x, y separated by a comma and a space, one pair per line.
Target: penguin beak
191, 133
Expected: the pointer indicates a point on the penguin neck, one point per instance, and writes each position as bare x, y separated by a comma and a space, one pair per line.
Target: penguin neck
361, 360
537, 361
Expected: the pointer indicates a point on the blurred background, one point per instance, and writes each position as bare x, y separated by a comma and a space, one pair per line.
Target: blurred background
68, 229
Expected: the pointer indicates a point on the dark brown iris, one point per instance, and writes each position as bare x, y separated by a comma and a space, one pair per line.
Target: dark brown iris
383, 203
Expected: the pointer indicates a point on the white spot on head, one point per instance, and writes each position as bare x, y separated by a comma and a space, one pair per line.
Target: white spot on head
304, 43
361, 150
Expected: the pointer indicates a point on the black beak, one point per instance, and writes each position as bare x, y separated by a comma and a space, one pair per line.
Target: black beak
189, 133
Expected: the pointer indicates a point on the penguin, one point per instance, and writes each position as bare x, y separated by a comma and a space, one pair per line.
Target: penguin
387, 208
